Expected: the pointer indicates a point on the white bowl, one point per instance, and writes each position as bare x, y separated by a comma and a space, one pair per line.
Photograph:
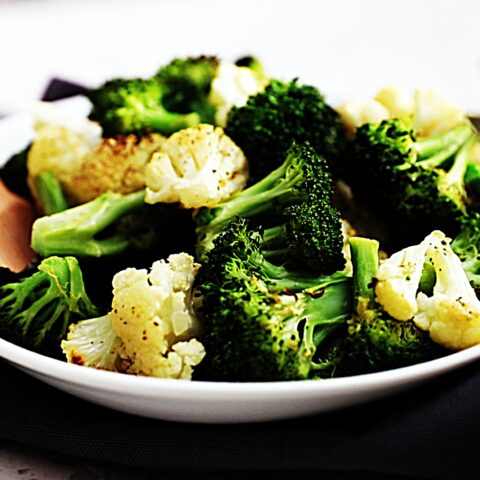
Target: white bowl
206, 402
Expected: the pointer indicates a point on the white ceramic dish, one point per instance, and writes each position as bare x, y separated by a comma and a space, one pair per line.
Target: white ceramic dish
206, 402
211, 402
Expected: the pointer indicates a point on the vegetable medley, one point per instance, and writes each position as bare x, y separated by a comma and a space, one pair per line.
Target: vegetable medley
214, 223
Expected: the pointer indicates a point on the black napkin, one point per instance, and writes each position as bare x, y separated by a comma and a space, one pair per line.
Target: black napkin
430, 431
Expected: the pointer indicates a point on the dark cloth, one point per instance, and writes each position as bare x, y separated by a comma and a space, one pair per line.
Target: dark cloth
430, 431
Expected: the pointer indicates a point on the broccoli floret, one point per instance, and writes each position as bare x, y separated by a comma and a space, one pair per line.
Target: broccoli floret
14, 173
50, 192
375, 340
466, 245
36, 310
78, 230
284, 112
262, 322
414, 185
186, 84
284, 199
123, 106
310, 237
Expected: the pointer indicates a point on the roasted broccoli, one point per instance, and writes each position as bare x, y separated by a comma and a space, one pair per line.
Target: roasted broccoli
123, 106
262, 322
295, 200
186, 84
77, 231
284, 112
414, 185
36, 310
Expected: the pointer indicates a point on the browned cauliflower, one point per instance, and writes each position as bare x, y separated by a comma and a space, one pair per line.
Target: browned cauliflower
86, 165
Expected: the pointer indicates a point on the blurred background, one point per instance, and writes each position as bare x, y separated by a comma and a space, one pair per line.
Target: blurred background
347, 48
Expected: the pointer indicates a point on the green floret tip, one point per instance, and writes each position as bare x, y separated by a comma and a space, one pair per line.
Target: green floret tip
122, 106
186, 83
36, 310
374, 341
414, 185
294, 204
78, 231
284, 112
262, 322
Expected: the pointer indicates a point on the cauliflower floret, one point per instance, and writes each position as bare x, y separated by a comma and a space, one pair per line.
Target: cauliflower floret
433, 114
398, 278
59, 149
231, 87
152, 315
429, 111
398, 102
151, 326
197, 167
94, 343
87, 165
116, 164
452, 314
358, 112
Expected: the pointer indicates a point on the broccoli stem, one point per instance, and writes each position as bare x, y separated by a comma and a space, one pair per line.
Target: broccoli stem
50, 192
435, 150
161, 120
274, 241
364, 252
39, 308
330, 311
452, 183
72, 231
274, 190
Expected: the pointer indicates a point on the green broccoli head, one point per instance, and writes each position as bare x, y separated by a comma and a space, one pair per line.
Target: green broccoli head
36, 310
260, 323
186, 84
123, 106
300, 186
419, 183
310, 237
284, 112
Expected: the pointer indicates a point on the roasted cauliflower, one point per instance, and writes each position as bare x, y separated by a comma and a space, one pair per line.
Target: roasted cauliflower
86, 165
151, 327
196, 167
